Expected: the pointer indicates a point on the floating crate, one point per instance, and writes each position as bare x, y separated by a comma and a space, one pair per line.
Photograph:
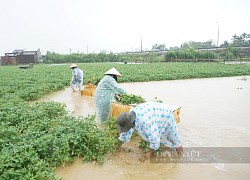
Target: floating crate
89, 90
177, 115
117, 109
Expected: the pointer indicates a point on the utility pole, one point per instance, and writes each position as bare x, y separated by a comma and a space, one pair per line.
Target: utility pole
218, 35
141, 44
86, 46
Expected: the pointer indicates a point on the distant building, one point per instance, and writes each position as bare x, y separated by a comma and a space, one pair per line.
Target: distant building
8, 59
21, 56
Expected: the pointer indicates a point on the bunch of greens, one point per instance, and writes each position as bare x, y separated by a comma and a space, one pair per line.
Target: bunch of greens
127, 99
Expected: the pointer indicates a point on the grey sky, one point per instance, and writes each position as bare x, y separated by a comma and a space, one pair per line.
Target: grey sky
117, 25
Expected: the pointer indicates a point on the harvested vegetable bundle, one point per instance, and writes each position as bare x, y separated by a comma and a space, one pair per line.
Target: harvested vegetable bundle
128, 99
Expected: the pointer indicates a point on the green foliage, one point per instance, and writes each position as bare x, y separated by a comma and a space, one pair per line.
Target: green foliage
127, 99
225, 44
112, 134
36, 137
153, 57
198, 45
189, 54
159, 47
241, 40
42, 136
144, 145
170, 55
53, 57
93, 81
231, 52
22, 162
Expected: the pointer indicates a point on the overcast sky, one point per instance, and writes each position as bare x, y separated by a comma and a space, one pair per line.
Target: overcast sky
117, 25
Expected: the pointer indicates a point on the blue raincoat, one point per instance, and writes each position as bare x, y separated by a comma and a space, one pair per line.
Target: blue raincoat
104, 95
77, 79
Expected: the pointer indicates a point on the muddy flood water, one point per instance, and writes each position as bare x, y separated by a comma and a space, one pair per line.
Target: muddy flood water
215, 113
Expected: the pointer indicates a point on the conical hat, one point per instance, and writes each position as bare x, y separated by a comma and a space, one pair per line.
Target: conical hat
113, 71
72, 66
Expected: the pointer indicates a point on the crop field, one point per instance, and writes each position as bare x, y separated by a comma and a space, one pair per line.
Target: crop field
37, 137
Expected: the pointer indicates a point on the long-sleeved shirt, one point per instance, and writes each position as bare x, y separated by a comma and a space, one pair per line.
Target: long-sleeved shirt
155, 123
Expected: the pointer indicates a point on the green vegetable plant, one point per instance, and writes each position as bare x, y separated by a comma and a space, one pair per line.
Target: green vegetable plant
144, 145
127, 99
37, 137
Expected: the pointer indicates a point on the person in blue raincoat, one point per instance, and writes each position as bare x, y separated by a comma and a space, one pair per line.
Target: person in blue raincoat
154, 122
105, 92
77, 78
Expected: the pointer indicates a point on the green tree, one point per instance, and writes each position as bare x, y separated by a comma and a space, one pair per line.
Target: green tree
248, 39
235, 39
159, 47
225, 44
174, 48
231, 52
196, 45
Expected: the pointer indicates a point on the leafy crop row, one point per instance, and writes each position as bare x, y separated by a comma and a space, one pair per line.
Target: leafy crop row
37, 137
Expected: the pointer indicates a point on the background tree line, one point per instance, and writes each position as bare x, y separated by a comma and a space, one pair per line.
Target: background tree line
237, 40
188, 51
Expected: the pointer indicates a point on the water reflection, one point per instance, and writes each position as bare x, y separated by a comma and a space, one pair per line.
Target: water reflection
215, 112
76, 104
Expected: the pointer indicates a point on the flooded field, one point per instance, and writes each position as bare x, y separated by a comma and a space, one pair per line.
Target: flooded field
215, 113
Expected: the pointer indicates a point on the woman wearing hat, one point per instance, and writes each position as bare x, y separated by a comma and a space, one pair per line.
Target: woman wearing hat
154, 122
77, 78
105, 93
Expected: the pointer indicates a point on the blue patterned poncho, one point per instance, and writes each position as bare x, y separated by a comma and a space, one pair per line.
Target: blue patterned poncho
155, 123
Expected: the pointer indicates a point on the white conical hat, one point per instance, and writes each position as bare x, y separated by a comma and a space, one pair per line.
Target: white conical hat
113, 71
72, 66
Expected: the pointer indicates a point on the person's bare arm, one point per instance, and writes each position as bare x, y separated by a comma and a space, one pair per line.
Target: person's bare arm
179, 150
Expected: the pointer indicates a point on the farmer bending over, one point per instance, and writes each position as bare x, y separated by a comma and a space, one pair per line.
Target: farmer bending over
77, 78
154, 122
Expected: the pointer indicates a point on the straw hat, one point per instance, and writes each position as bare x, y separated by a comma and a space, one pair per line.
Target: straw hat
125, 121
113, 71
72, 66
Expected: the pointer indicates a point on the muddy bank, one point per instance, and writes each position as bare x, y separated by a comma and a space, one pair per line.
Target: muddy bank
215, 113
